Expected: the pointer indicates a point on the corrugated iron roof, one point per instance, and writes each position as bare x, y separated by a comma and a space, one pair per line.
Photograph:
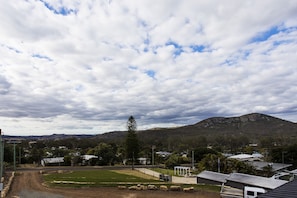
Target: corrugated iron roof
253, 180
214, 176
275, 166
288, 190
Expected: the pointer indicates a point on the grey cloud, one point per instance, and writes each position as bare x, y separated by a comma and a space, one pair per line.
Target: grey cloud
107, 63
4, 85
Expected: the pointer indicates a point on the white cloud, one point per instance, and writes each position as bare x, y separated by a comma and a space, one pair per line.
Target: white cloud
73, 66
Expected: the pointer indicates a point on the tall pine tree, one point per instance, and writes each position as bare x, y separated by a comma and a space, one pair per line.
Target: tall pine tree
132, 144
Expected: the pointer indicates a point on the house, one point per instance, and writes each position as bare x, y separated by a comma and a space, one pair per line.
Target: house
238, 184
88, 157
275, 167
247, 157
163, 153
209, 177
240, 180
85, 159
288, 190
144, 160
52, 161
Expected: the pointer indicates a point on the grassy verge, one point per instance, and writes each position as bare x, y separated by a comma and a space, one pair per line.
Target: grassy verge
164, 171
112, 178
94, 178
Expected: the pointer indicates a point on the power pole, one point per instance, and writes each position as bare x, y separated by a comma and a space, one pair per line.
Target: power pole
153, 154
1, 160
14, 142
219, 165
193, 161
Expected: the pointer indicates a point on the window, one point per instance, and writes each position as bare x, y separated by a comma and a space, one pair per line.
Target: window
251, 193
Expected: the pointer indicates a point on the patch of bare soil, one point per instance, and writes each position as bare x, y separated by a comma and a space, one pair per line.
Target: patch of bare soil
29, 184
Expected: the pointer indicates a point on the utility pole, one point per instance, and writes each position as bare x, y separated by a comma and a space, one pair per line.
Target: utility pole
133, 161
193, 161
283, 156
153, 154
1, 161
219, 165
14, 142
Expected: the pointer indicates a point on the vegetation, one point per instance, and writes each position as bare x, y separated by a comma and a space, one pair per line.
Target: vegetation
164, 171
102, 178
220, 163
132, 144
94, 178
276, 139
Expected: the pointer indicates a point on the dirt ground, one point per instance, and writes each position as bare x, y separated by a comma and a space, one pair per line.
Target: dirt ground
29, 184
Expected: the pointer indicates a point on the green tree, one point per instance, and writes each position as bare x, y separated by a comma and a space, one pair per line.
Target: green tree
172, 161
132, 142
212, 162
106, 153
199, 153
175, 160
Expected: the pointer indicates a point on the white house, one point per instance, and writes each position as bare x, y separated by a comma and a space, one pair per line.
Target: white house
52, 161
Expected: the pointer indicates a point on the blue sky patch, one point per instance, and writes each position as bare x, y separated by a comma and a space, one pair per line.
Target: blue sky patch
197, 48
61, 11
146, 42
151, 73
133, 67
263, 36
41, 57
178, 48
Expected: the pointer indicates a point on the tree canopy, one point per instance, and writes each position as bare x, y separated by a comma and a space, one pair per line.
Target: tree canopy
132, 143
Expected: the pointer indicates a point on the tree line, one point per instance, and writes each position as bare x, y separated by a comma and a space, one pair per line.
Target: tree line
132, 146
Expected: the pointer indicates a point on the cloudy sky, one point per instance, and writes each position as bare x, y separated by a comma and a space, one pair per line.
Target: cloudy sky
73, 66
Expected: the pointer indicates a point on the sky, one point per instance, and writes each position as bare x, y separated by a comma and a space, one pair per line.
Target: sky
83, 67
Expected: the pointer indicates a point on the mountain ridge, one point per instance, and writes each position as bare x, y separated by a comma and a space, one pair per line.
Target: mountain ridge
253, 123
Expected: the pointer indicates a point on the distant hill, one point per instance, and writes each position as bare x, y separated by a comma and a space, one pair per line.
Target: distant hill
50, 137
253, 125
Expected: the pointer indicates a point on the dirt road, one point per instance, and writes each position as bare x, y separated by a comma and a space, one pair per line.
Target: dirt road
29, 184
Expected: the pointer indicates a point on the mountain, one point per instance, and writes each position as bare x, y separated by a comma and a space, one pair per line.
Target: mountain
48, 137
255, 123
252, 125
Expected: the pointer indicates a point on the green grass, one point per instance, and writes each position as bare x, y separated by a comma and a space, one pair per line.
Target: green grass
208, 187
164, 171
108, 178
94, 178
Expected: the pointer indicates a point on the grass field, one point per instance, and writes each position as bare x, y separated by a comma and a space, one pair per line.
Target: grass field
97, 178
164, 171
110, 178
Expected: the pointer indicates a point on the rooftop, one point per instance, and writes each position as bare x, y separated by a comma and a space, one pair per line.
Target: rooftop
275, 166
288, 190
214, 176
268, 183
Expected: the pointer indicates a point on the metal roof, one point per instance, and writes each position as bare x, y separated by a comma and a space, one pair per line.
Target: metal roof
275, 166
288, 190
293, 171
264, 182
214, 176
53, 160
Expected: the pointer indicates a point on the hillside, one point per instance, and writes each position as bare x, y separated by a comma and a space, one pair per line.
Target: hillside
250, 124
253, 125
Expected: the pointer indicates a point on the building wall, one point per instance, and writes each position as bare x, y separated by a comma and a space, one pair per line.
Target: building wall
207, 181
